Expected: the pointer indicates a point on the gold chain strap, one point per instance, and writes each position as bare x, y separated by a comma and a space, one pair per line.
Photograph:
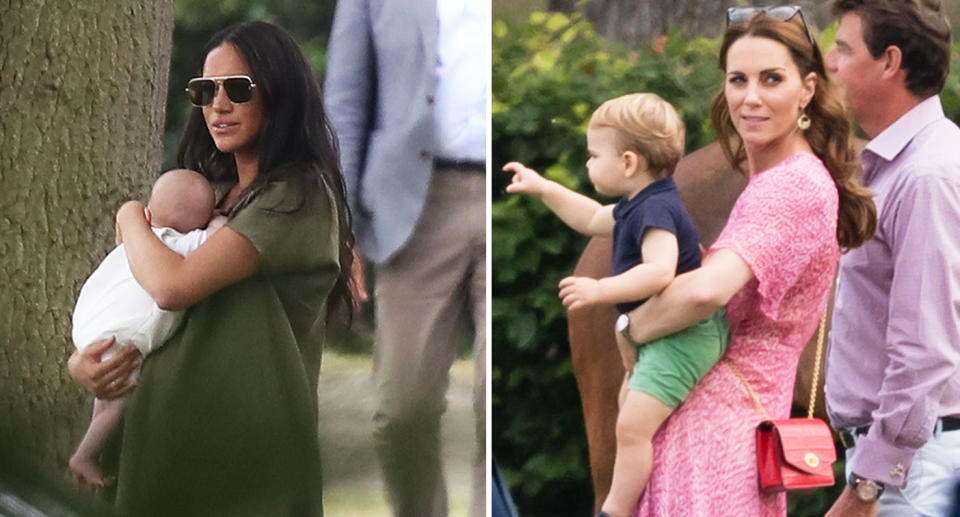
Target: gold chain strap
816, 364
813, 386
756, 401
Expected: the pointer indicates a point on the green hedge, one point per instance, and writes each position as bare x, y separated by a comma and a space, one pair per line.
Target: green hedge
549, 73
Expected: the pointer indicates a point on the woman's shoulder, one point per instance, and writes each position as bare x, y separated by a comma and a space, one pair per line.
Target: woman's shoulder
801, 165
802, 175
285, 194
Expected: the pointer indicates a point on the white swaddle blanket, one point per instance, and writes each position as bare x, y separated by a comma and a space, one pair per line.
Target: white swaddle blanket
112, 303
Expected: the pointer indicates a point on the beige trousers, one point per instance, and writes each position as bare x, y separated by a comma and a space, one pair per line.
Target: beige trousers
419, 296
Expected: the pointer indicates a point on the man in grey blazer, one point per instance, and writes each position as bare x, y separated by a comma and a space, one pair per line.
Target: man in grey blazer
406, 89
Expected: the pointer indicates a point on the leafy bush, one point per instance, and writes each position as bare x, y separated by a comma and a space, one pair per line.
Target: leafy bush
549, 73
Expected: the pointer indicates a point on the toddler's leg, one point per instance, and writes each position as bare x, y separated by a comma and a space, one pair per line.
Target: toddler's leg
83, 463
640, 417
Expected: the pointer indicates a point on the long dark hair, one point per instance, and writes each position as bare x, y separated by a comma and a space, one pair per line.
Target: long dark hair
830, 134
295, 141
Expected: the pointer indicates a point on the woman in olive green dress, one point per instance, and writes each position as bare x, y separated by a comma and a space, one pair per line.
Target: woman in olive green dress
223, 420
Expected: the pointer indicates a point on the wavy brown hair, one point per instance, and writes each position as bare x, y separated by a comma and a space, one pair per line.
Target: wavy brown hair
830, 134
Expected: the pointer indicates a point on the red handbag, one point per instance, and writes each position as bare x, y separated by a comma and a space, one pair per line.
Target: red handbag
795, 453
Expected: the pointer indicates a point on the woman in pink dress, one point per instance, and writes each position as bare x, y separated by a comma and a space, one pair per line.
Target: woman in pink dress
781, 120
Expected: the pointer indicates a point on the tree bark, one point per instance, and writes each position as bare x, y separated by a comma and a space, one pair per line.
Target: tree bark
82, 91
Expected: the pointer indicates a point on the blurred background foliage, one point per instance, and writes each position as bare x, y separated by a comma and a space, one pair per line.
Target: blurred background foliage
550, 71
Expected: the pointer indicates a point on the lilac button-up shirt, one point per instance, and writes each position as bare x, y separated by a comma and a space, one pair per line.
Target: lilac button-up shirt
894, 356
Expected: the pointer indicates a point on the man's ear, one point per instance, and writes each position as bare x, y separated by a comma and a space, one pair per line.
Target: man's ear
633, 164
892, 59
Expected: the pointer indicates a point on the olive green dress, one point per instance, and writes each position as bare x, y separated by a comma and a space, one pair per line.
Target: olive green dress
224, 420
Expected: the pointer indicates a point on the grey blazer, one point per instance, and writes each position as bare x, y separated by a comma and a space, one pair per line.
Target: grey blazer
378, 92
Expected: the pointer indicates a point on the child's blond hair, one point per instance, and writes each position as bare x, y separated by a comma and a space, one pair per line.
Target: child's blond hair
646, 125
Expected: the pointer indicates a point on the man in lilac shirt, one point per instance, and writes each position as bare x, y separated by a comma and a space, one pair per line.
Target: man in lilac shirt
893, 366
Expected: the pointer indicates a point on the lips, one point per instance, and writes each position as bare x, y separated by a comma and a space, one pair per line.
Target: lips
221, 126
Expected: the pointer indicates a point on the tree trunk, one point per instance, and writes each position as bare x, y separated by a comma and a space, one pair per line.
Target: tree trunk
82, 92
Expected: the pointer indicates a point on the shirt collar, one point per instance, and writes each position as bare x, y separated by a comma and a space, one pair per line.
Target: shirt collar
894, 138
660, 185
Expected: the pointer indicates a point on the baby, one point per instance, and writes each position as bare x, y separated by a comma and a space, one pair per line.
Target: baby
634, 142
113, 304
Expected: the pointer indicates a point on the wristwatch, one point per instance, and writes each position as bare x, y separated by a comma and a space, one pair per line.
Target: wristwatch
623, 327
867, 490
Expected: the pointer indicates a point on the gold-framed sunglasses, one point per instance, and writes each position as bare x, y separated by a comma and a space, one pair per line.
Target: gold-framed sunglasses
780, 12
202, 90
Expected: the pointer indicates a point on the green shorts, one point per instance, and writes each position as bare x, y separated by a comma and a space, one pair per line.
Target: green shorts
669, 367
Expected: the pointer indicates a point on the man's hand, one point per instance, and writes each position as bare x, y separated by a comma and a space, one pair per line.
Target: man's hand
525, 180
849, 505
358, 281
579, 291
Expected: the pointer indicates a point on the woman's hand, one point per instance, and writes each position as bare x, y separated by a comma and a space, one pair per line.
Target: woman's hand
628, 353
132, 211
105, 379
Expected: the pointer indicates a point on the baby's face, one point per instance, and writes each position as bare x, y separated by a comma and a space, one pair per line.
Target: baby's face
605, 166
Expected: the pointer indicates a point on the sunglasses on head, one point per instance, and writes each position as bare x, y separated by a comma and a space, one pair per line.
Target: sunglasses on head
780, 12
202, 90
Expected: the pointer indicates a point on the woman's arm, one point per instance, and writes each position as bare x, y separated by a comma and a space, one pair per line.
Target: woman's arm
176, 282
691, 297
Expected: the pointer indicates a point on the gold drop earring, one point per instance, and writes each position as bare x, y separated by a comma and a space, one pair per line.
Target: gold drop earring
803, 122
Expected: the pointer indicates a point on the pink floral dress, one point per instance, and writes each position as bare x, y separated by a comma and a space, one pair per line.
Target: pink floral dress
784, 226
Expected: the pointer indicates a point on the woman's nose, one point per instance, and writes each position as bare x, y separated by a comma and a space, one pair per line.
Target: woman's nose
753, 95
220, 100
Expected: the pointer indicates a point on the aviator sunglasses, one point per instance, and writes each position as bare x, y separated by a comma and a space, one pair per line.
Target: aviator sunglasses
781, 12
202, 90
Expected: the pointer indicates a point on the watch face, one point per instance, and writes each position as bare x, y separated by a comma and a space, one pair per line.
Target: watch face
623, 321
867, 490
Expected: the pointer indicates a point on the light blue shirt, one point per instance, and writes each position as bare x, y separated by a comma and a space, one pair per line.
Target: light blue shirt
463, 70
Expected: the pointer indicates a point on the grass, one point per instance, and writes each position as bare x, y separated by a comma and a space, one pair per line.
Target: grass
352, 484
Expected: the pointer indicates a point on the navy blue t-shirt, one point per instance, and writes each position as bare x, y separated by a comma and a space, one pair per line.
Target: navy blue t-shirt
656, 206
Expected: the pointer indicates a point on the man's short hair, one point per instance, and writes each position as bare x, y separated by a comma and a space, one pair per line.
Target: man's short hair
917, 27
647, 125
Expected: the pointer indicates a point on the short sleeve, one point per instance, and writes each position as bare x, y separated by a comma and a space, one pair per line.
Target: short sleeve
294, 229
656, 214
780, 222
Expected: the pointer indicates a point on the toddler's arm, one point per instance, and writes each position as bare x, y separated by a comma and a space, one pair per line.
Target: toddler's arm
644, 280
577, 211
